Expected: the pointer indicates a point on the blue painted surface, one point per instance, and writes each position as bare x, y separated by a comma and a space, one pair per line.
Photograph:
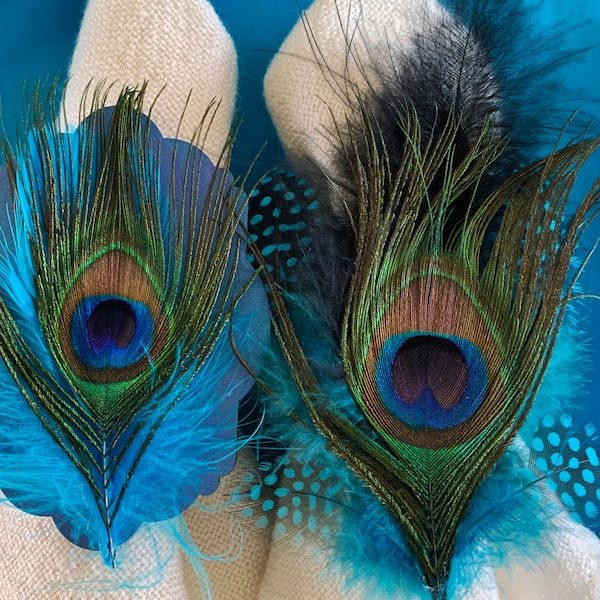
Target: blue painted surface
258, 28
38, 36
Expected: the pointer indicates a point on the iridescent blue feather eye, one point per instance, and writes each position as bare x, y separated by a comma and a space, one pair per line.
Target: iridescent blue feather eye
430, 380
110, 331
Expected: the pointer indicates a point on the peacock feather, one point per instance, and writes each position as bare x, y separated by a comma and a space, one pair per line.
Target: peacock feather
448, 323
127, 316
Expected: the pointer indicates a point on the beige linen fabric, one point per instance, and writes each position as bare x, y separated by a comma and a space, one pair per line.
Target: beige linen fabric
178, 45
572, 572
328, 54
38, 563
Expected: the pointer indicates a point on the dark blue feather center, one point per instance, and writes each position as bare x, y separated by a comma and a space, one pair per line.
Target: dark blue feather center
430, 380
110, 331
112, 321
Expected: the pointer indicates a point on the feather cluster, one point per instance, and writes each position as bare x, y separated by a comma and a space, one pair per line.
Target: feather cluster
418, 297
126, 306
443, 342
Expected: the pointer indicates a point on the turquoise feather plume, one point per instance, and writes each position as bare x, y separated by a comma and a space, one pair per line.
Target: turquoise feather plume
126, 306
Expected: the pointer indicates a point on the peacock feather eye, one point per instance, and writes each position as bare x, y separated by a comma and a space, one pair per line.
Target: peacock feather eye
108, 331
431, 368
105, 329
112, 322
422, 374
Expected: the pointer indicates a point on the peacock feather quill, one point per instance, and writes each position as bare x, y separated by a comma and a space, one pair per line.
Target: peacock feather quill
128, 316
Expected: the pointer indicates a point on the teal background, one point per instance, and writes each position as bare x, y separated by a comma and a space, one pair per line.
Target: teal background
37, 38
